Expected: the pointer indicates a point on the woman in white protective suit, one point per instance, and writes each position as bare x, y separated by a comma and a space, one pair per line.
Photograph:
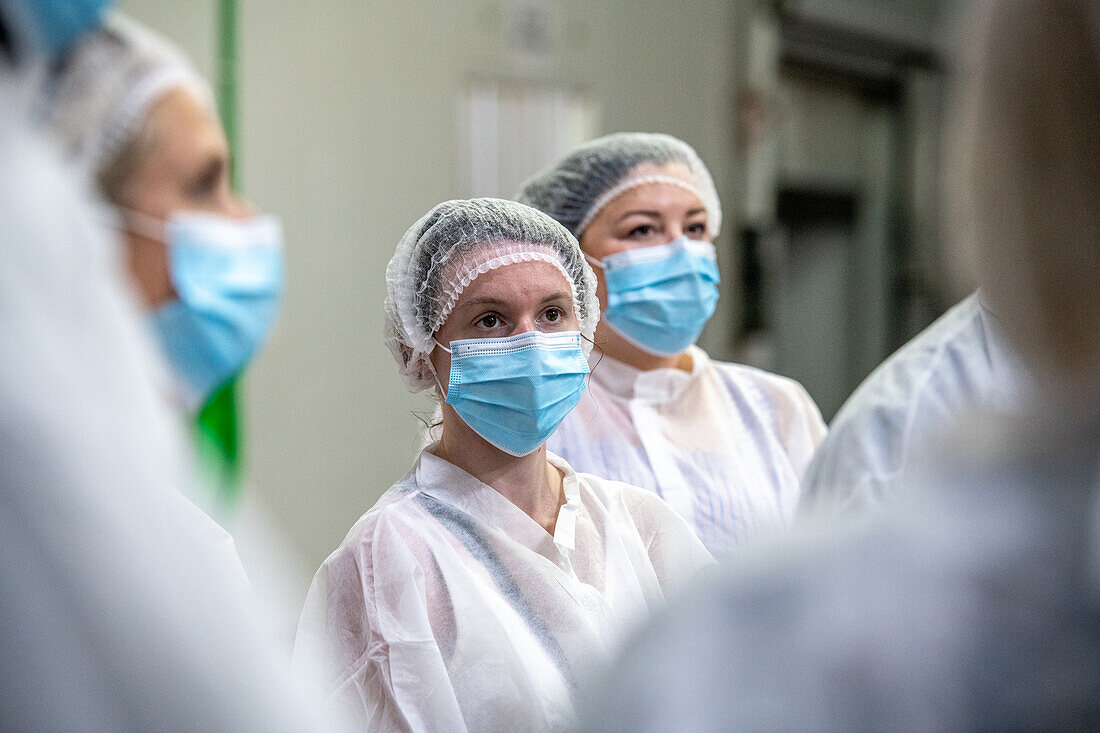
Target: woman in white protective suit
132, 113
480, 588
724, 444
129, 108
118, 612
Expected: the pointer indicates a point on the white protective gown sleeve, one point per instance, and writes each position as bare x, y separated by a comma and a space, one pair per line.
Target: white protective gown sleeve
958, 364
725, 445
448, 608
121, 603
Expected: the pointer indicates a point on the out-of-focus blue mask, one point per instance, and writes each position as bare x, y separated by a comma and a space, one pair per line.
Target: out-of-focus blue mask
515, 391
228, 275
659, 298
53, 26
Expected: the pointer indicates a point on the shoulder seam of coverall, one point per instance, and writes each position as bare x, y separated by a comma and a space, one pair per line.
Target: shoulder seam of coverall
920, 391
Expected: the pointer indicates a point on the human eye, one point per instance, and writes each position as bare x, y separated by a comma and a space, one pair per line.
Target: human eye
211, 182
698, 230
556, 316
205, 187
641, 231
488, 322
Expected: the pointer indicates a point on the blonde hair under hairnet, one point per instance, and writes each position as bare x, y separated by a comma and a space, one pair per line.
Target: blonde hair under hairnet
576, 188
450, 246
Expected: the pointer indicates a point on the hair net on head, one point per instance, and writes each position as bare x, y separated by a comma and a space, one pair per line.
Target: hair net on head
575, 189
101, 95
444, 252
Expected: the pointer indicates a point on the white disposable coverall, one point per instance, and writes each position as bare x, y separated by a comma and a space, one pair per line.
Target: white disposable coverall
970, 604
725, 445
447, 608
955, 366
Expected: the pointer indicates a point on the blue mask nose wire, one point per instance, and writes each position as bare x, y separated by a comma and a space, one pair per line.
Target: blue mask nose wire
514, 391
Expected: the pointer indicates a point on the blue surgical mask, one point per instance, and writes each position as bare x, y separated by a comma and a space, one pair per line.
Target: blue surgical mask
659, 298
53, 26
515, 391
228, 274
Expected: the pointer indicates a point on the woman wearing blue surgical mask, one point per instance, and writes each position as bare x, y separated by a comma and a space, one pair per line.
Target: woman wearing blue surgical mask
480, 589
134, 116
724, 444
130, 110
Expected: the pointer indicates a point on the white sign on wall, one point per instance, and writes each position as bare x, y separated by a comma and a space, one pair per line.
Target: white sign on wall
512, 130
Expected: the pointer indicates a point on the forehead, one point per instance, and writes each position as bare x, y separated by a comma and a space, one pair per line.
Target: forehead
665, 198
184, 131
518, 284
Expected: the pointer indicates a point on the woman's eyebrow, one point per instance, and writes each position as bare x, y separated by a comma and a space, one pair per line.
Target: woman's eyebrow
481, 300
557, 296
657, 214
641, 212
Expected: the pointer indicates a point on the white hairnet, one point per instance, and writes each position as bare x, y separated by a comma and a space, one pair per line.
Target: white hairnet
575, 189
444, 252
101, 95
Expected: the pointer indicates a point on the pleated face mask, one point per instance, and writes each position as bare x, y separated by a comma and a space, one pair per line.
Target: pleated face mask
515, 391
229, 277
659, 298
54, 26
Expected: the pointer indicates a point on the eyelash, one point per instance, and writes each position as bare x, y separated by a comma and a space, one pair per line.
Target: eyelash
637, 232
479, 321
561, 314
205, 187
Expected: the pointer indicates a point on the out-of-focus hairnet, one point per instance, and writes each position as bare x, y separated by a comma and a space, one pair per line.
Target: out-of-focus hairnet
442, 253
102, 94
575, 189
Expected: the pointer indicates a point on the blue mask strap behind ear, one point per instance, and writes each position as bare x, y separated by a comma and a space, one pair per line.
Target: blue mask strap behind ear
442, 392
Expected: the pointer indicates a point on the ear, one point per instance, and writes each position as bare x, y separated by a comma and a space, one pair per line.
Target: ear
438, 366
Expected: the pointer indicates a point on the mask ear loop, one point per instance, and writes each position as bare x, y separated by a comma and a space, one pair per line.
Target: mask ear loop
436, 376
594, 262
144, 225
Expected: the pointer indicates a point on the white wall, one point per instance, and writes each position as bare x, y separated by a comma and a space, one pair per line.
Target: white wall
349, 131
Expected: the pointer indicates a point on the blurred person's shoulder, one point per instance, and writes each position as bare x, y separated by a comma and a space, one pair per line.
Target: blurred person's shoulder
898, 407
803, 627
928, 367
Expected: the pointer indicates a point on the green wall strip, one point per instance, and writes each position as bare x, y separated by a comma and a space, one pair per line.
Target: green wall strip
218, 430
227, 78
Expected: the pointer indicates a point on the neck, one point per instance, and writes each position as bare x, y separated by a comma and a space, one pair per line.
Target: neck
622, 350
530, 482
